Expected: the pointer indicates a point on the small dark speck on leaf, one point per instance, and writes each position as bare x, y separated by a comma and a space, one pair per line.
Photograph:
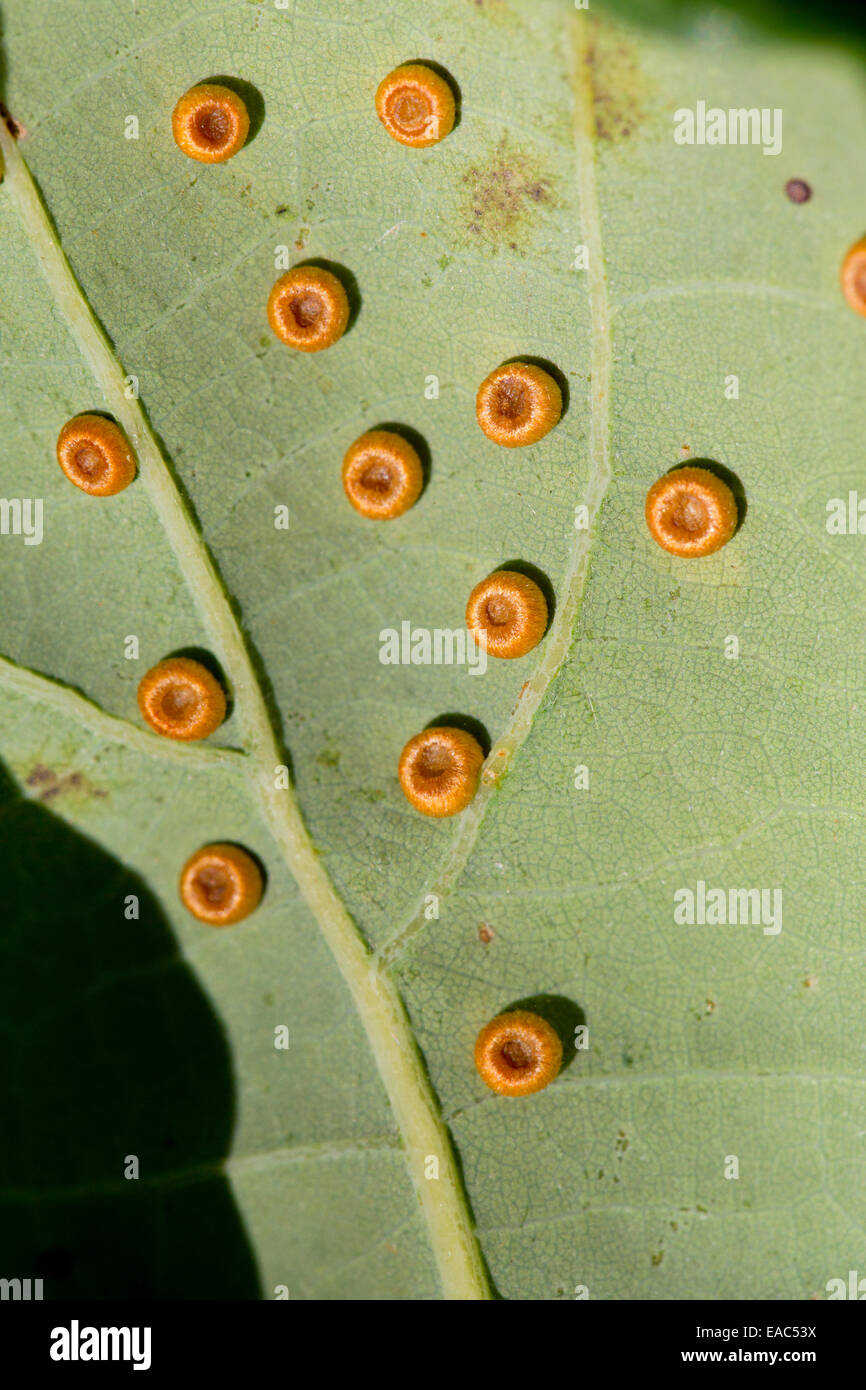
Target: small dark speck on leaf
51, 785
798, 190
38, 775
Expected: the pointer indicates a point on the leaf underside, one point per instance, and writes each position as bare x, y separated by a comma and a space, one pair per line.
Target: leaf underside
155, 1037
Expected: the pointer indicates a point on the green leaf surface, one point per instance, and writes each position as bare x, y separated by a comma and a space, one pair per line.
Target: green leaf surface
304, 1168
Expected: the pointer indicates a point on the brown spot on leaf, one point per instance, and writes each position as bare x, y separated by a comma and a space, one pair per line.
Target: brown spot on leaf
504, 194
49, 785
798, 190
39, 775
486, 933
621, 91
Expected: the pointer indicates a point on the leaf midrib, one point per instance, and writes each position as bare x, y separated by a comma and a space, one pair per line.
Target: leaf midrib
376, 999
380, 1008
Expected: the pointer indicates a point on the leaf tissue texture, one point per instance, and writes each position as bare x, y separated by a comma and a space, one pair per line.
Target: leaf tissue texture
558, 221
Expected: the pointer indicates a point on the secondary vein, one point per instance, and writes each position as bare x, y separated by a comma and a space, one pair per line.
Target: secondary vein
73, 705
561, 633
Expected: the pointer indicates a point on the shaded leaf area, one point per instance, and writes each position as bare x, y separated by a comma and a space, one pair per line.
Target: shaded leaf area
314, 1162
840, 20
111, 1053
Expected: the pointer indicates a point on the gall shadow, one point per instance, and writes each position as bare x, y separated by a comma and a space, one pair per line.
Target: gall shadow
467, 723
259, 863
538, 577
563, 1015
112, 1052
452, 82
724, 475
206, 659
251, 98
103, 415
346, 279
418, 442
551, 368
